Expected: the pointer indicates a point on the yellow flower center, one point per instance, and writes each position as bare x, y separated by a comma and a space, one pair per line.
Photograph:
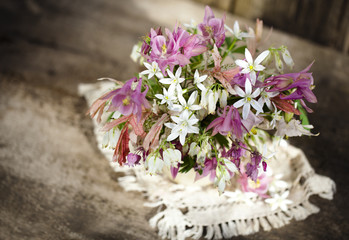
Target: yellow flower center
251, 67
208, 29
126, 101
254, 184
253, 131
248, 99
164, 49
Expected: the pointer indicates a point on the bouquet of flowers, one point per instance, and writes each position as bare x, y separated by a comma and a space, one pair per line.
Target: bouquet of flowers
207, 101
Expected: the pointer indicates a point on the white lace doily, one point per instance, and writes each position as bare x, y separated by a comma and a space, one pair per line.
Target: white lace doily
196, 210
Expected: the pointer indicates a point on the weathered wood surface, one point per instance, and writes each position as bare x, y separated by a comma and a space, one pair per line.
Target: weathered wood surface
55, 184
325, 22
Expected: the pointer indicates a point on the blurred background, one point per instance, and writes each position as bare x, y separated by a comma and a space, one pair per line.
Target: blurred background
324, 22
54, 182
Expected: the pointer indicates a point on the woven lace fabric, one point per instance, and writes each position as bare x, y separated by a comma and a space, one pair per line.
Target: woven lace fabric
195, 210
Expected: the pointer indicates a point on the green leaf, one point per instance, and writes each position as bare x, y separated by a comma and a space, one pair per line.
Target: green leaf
221, 140
303, 116
188, 163
239, 50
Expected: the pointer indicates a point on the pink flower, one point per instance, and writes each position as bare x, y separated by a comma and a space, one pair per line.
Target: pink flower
228, 123
212, 28
129, 101
260, 186
189, 45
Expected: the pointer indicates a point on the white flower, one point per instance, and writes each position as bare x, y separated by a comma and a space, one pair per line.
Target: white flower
172, 157
192, 24
111, 138
265, 98
189, 106
174, 79
135, 53
279, 201
154, 164
238, 34
201, 152
222, 176
247, 99
278, 63
153, 69
212, 98
198, 80
250, 66
223, 96
230, 166
209, 100
276, 115
277, 184
184, 125
265, 151
292, 129
287, 57
242, 197
222, 173
168, 97
194, 149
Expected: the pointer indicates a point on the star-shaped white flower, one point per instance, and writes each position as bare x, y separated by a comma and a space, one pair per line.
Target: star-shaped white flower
184, 125
184, 105
238, 34
276, 115
277, 184
250, 66
279, 201
152, 70
265, 98
173, 79
247, 99
198, 80
243, 197
168, 96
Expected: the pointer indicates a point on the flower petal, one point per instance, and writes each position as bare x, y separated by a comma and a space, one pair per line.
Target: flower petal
245, 110
241, 63
248, 56
261, 57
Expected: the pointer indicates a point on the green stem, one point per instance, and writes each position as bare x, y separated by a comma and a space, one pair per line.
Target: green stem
229, 49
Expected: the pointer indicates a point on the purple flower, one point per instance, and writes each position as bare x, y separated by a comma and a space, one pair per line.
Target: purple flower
228, 123
189, 45
252, 167
129, 101
301, 82
209, 169
132, 159
236, 152
212, 28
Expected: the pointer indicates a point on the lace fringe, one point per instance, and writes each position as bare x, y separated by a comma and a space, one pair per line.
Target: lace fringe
173, 224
